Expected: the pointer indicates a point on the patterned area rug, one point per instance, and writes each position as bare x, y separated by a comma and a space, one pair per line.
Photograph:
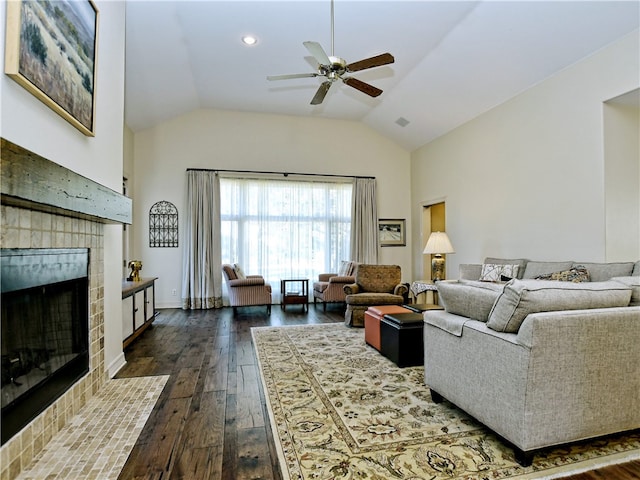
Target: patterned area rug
339, 409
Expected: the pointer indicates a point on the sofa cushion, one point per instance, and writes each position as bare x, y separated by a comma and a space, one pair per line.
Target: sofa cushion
636, 269
575, 274
537, 269
320, 286
634, 283
468, 298
470, 271
599, 272
492, 272
521, 262
374, 298
519, 298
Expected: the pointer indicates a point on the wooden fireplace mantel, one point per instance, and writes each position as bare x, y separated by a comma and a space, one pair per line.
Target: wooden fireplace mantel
31, 181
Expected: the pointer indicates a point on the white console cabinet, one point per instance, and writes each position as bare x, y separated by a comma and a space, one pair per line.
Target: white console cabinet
138, 308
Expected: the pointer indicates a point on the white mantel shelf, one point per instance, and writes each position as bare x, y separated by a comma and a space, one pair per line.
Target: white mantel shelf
31, 181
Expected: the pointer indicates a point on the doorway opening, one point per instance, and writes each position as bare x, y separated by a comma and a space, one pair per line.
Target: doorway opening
433, 220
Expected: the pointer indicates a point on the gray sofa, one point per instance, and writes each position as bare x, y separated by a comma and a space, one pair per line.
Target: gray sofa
540, 362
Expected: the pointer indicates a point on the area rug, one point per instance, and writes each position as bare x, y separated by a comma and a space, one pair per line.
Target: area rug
97, 441
340, 410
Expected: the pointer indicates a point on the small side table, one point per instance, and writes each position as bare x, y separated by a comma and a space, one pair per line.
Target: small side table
295, 291
423, 286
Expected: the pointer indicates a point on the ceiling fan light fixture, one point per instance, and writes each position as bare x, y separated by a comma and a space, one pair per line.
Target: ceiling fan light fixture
334, 68
249, 40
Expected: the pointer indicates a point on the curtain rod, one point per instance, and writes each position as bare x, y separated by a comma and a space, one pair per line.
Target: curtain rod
286, 174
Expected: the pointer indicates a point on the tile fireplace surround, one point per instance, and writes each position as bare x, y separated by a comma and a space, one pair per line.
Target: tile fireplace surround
23, 228
26, 226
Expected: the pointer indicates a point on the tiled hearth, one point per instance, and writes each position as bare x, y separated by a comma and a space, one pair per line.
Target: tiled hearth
96, 443
25, 228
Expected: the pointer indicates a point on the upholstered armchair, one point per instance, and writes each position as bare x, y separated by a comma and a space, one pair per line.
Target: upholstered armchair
245, 291
374, 285
330, 286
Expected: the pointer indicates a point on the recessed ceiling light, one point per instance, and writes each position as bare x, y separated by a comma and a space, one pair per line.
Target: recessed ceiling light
249, 40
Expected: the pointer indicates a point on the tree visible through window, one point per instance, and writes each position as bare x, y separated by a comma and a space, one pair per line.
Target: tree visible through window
285, 228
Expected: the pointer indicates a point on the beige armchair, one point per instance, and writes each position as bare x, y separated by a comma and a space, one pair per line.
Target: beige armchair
330, 286
245, 291
374, 285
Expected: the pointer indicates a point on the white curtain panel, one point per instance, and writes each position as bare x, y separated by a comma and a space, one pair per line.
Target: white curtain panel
285, 228
202, 265
364, 213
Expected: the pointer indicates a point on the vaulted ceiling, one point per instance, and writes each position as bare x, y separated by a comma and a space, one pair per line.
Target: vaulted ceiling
454, 60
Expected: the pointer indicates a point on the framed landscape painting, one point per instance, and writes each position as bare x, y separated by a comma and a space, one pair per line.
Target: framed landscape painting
391, 233
51, 51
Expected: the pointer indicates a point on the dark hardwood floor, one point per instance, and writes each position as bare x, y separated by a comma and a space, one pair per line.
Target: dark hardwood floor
210, 421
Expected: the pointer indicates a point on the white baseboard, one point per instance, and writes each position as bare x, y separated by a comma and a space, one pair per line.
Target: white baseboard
115, 366
176, 304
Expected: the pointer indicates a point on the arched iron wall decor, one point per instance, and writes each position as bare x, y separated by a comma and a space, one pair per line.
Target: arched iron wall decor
163, 225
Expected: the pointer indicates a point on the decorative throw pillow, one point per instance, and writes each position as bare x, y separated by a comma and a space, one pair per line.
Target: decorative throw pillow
494, 273
239, 272
520, 262
576, 274
344, 268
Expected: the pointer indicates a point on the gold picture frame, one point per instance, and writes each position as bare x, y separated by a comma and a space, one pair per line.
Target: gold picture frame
51, 50
391, 232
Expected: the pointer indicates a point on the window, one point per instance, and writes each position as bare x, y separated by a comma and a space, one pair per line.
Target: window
285, 228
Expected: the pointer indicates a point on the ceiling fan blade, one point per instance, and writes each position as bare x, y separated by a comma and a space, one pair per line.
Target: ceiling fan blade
318, 52
294, 75
321, 93
363, 87
377, 61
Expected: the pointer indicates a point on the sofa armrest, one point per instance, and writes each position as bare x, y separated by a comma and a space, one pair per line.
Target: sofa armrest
245, 282
401, 289
351, 288
325, 277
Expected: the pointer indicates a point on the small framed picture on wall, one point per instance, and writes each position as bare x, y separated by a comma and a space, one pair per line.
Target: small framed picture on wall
391, 232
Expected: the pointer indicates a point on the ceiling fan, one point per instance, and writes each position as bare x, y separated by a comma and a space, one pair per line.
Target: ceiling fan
334, 68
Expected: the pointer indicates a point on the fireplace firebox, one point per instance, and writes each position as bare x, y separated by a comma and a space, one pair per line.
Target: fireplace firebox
45, 325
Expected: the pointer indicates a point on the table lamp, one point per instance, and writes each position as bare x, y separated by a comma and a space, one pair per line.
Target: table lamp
437, 245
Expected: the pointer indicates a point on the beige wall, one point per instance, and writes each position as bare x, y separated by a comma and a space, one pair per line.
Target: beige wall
622, 177
29, 123
127, 172
248, 141
527, 178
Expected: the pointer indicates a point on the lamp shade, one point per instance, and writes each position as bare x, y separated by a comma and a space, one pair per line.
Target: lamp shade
438, 243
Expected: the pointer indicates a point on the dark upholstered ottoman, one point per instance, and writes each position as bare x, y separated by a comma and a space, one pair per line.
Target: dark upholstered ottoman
373, 317
422, 307
401, 338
